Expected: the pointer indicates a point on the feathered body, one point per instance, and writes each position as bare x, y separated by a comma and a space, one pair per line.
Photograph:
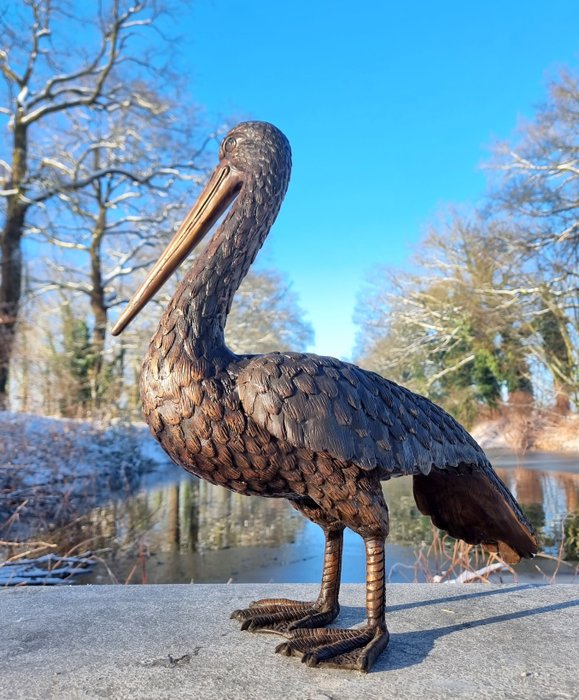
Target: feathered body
317, 431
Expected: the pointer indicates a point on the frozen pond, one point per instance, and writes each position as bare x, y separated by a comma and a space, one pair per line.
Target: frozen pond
179, 529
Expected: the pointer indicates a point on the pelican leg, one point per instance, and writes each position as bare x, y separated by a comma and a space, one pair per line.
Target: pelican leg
282, 616
349, 648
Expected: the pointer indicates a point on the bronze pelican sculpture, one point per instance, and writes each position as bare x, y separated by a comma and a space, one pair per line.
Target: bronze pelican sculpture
317, 431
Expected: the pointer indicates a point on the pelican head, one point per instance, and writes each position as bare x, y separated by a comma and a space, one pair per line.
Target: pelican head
248, 155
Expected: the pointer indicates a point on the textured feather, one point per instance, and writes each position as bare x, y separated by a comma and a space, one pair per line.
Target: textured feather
475, 506
352, 415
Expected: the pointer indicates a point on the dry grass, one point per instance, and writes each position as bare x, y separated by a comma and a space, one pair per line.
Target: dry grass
446, 560
525, 428
559, 434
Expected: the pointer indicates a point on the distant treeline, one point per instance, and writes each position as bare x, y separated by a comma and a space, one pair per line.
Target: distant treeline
100, 158
488, 317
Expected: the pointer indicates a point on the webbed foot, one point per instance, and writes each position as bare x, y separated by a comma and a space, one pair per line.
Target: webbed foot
282, 616
355, 649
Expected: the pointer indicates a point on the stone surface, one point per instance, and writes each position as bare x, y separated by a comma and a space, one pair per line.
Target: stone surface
177, 641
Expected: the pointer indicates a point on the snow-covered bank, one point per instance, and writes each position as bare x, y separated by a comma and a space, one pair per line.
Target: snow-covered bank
50, 466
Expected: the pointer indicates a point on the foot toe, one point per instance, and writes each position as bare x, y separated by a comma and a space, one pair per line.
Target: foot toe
337, 648
283, 617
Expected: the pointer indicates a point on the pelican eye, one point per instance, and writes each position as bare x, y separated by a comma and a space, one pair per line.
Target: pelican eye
230, 144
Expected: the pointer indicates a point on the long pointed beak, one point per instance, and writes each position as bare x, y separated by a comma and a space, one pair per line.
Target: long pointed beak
217, 195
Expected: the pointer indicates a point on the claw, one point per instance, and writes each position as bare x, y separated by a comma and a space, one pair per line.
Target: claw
310, 660
284, 649
363, 664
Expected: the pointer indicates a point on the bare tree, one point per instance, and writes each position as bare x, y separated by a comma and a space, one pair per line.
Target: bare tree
444, 329
131, 166
48, 75
266, 316
495, 294
537, 191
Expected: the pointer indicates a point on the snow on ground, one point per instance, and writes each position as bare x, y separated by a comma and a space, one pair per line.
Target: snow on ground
48, 466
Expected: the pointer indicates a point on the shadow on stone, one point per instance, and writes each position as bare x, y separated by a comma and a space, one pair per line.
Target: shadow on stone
411, 648
466, 596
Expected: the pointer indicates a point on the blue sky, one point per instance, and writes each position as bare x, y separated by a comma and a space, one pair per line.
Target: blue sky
390, 109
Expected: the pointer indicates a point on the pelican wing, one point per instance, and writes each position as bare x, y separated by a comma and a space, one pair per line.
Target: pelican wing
355, 416
358, 417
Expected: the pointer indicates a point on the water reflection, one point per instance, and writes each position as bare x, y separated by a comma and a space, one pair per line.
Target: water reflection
550, 500
184, 530
188, 530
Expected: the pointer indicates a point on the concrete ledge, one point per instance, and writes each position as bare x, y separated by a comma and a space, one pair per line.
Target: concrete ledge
174, 641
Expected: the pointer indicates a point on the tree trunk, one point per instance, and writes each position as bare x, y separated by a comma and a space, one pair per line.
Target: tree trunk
11, 260
98, 307
172, 532
562, 398
559, 354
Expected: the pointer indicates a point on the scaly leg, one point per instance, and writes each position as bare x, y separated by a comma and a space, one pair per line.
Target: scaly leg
280, 615
349, 648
